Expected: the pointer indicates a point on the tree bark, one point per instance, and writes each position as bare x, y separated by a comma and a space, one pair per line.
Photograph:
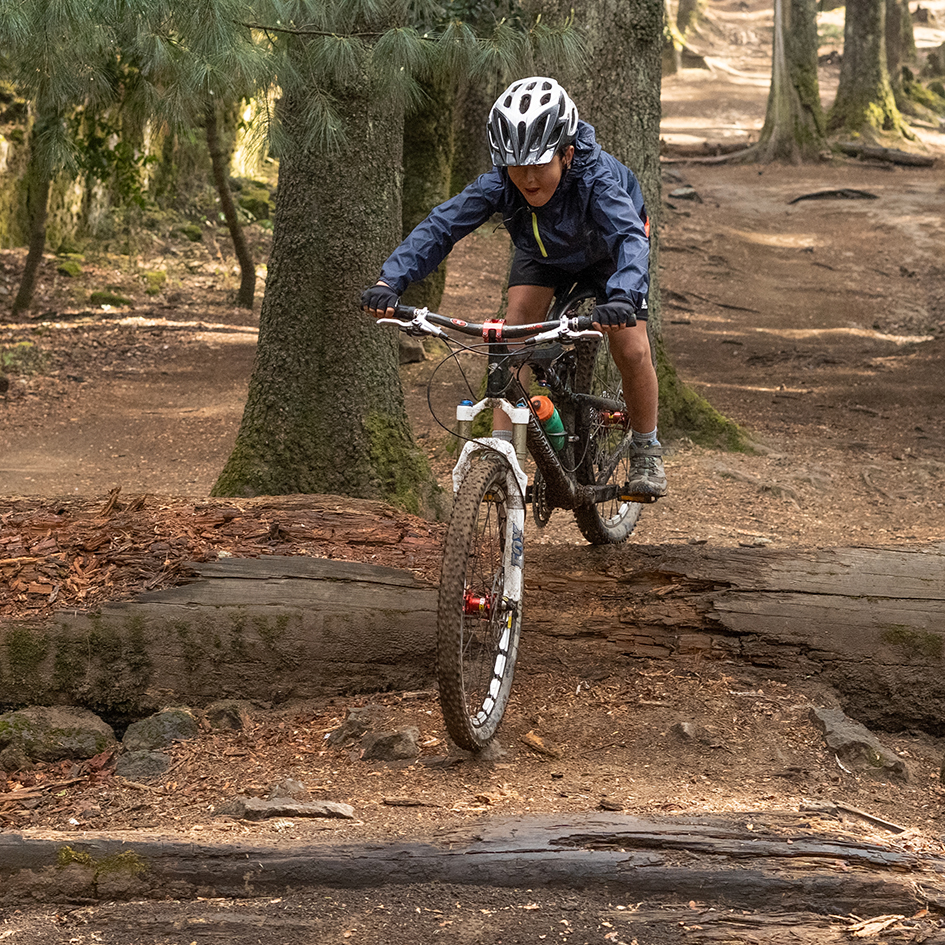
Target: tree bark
794, 128
471, 157
900, 41
325, 410
428, 155
247, 288
40, 180
865, 104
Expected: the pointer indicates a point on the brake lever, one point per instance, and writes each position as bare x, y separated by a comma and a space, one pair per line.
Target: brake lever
417, 327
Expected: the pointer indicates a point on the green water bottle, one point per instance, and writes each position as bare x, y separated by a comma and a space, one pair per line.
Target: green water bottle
551, 423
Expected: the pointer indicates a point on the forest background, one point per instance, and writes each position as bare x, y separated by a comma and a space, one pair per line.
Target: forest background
817, 324
377, 117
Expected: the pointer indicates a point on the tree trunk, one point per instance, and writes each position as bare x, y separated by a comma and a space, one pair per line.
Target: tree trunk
40, 180
794, 128
471, 149
247, 289
672, 43
900, 41
325, 410
617, 89
865, 104
687, 15
428, 155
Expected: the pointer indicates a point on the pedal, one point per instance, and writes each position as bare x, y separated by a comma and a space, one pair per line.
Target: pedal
641, 499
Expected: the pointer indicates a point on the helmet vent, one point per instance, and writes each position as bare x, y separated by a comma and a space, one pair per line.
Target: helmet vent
530, 121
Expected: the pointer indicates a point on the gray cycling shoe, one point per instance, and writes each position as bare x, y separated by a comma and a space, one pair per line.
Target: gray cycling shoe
647, 480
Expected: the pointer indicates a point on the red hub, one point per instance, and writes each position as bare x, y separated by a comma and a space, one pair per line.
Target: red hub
475, 605
615, 418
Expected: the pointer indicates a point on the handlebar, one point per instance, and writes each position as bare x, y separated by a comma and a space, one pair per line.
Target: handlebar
421, 321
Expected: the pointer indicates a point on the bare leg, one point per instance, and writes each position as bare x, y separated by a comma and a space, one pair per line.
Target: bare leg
527, 304
630, 348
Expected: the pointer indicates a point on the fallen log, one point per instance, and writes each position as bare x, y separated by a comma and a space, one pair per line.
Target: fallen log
702, 923
871, 622
784, 860
269, 628
890, 155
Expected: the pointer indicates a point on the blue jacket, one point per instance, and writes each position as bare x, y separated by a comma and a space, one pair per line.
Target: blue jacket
597, 212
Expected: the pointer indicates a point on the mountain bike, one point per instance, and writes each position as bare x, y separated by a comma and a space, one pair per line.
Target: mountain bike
581, 467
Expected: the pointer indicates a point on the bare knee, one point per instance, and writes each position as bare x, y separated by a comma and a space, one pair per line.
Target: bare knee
630, 349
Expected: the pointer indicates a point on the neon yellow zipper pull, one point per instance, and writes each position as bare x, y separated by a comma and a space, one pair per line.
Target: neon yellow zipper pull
541, 245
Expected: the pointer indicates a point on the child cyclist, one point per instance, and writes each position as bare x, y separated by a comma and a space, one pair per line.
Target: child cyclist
574, 213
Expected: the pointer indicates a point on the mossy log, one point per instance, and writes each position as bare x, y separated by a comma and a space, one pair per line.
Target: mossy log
794, 861
268, 628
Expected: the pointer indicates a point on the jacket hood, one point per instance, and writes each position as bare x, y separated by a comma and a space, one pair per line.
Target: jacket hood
586, 148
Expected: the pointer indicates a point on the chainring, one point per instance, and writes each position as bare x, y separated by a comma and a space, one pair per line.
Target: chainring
541, 508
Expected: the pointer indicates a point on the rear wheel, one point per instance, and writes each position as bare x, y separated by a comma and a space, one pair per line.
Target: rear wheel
479, 615
602, 452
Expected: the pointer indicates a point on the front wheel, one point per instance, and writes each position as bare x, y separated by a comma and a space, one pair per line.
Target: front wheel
603, 448
479, 614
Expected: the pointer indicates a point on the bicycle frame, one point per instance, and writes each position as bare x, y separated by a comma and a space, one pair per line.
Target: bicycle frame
564, 491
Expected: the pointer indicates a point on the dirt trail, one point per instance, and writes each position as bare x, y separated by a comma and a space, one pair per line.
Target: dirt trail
819, 325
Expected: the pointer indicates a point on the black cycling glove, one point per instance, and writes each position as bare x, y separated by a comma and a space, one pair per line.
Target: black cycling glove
615, 314
379, 298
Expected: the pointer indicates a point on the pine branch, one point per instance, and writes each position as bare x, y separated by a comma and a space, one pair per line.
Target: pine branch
309, 31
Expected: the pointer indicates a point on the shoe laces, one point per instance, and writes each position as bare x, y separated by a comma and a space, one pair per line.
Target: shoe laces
647, 458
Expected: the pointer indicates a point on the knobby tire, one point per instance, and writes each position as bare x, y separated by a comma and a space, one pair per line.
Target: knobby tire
476, 652
603, 449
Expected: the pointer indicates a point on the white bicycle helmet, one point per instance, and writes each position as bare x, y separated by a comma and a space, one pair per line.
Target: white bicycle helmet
530, 120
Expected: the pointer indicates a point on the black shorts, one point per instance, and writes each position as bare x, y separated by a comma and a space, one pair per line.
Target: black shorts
526, 270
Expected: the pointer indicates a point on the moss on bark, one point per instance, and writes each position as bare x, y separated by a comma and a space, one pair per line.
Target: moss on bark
325, 372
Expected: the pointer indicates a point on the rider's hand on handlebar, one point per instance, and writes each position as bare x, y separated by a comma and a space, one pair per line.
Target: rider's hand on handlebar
617, 313
379, 300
